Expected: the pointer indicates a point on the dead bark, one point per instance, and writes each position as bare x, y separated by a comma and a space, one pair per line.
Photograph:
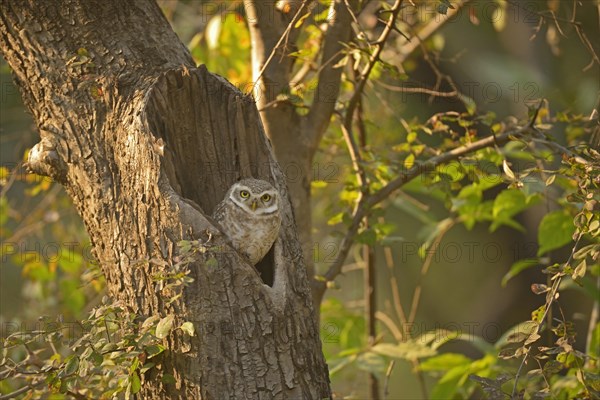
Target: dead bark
146, 145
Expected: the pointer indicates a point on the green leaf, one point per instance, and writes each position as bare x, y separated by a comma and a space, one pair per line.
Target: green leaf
443, 362
580, 270
469, 103
538, 314
409, 161
184, 246
164, 326
455, 380
555, 231
318, 184
507, 204
147, 367
509, 172
301, 20
409, 350
436, 338
154, 350
150, 321
167, 379
371, 362
368, 237
595, 342
518, 267
96, 358
518, 333
212, 263
72, 365
188, 328
136, 385
336, 219
336, 367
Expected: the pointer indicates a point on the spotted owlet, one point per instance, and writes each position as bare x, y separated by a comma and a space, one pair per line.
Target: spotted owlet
249, 215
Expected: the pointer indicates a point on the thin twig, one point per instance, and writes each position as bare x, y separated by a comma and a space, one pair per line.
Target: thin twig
550, 299
388, 373
416, 89
577, 25
389, 260
22, 390
429, 29
424, 269
389, 323
355, 158
373, 59
282, 38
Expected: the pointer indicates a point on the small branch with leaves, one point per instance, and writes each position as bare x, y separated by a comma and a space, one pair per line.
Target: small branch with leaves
366, 203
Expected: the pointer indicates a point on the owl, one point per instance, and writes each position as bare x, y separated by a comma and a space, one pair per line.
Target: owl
249, 215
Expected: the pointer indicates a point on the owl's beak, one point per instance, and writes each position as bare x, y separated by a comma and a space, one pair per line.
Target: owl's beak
253, 205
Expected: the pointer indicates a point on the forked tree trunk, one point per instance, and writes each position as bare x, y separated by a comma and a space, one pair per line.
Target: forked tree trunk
146, 145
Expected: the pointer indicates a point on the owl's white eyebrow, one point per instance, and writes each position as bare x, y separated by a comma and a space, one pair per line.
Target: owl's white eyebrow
271, 192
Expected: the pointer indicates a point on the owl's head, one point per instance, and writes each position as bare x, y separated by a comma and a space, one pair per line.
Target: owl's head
255, 196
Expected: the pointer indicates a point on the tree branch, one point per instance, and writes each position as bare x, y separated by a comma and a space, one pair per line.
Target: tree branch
368, 202
22, 390
261, 23
328, 86
364, 76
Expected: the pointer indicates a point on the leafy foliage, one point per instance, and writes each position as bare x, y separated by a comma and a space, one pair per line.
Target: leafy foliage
107, 355
415, 157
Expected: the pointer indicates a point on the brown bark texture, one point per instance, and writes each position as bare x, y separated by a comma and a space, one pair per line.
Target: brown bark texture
146, 145
296, 137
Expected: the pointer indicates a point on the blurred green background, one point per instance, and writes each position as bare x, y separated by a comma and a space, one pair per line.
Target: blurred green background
45, 251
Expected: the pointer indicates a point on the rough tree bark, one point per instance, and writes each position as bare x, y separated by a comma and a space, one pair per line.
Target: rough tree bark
146, 145
296, 137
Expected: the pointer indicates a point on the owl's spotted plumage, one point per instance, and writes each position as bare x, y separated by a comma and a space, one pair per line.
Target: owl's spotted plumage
249, 215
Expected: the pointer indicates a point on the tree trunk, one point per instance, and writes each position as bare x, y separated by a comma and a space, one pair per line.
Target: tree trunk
296, 137
146, 145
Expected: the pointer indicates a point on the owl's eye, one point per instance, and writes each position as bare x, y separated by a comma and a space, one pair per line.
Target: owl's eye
266, 197
244, 194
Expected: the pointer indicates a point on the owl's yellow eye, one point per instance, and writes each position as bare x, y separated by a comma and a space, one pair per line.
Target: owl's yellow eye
244, 194
266, 197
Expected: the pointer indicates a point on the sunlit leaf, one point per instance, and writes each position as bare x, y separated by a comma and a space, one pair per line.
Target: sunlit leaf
444, 362
164, 326
154, 350
136, 384
72, 365
188, 328
509, 172
499, 15
579, 271
406, 350
371, 362
555, 230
